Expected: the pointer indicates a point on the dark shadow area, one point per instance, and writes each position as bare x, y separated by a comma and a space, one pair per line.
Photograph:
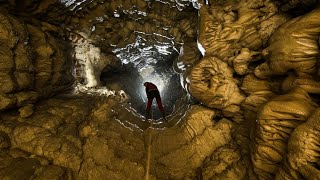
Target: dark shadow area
297, 8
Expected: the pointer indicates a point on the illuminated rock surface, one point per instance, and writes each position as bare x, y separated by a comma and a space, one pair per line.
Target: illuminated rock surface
239, 81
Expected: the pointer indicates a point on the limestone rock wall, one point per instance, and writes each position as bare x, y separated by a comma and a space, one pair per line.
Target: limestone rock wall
276, 121
228, 27
71, 138
275, 60
34, 63
301, 159
198, 137
18, 165
256, 87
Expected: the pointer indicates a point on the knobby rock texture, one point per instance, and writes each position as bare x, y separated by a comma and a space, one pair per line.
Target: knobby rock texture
34, 63
255, 113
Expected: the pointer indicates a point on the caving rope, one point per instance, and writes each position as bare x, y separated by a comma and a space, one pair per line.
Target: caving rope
148, 146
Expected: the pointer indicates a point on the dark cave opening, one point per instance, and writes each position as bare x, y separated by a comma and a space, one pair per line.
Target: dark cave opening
131, 76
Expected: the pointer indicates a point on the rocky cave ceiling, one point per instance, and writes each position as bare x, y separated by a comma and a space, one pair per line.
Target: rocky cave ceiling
239, 81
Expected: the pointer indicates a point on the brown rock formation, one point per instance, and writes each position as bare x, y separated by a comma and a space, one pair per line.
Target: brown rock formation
294, 46
302, 157
33, 63
257, 90
276, 121
212, 83
228, 27
180, 155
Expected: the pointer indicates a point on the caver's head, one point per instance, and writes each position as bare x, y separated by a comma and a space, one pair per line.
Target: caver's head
145, 84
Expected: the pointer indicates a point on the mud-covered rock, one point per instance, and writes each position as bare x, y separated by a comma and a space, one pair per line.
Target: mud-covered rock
7, 101
212, 83
33, 63
271, 135
294, 46
259, 92
276, 121
4, 140
20, 168
224, 163
102, 161
303, 149
227, 27
18, 165
241, 62
41, 142
26, 111
178, 152
52, 172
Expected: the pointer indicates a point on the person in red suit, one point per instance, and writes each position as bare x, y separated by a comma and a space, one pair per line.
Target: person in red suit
153, 92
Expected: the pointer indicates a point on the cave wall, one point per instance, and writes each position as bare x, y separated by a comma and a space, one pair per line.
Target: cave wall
256, 84
273, 54
35, 63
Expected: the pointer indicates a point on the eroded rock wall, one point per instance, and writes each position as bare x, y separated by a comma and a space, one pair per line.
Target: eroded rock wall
34, 63
274, 58
257, 88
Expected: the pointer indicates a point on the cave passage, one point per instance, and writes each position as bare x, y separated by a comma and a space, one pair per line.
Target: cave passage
146, 62
136, 43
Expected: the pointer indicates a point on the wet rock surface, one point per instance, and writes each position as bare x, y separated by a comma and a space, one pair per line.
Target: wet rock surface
252, 72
